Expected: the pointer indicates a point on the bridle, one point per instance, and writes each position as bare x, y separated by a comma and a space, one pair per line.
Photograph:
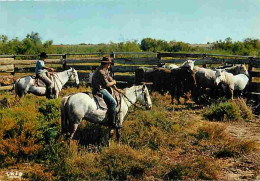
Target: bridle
56, 77
134, 104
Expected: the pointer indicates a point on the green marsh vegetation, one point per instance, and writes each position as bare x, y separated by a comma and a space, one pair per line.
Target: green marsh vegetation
32, 45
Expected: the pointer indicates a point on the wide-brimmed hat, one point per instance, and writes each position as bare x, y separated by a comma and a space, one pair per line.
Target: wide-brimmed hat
106, 60
43, 55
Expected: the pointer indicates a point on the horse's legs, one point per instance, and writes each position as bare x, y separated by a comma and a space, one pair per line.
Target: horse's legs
172, 92
232, 94
178, 89
118, 135
75, 126
111, 133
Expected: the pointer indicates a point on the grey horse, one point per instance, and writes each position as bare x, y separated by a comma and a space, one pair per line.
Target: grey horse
79, 106
26, 84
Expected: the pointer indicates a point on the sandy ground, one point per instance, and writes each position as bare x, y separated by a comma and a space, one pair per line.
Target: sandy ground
248, 166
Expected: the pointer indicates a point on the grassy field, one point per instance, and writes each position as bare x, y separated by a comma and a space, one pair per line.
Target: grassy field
192, 142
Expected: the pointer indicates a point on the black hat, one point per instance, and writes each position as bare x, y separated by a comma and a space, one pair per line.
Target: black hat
43, 55
106, 60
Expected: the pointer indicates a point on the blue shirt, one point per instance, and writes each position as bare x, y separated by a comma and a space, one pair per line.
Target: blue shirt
39, 67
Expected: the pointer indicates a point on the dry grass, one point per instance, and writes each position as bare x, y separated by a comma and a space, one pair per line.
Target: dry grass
156, 144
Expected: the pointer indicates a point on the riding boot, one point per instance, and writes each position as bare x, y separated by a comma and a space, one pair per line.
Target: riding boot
112, 118
49, 93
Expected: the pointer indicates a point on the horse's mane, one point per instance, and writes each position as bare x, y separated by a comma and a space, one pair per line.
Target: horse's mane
130, 88
236, 68
228, 78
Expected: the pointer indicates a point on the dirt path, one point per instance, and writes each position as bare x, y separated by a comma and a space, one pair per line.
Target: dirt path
246, 167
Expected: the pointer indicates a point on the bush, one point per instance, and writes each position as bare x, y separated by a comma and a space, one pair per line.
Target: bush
18, 133
236, 147
211, 131
194, 168
233, 110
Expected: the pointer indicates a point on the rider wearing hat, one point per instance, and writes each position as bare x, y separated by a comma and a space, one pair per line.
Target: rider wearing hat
41, 72
101, 80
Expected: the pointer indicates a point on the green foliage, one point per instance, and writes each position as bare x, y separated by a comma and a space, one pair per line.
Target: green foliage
49, 109
180, 47
250, 47
153, 45
30, 45
33, 45
223, 111
233, 110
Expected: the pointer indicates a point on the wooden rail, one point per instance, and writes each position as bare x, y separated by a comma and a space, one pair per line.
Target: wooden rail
125, 62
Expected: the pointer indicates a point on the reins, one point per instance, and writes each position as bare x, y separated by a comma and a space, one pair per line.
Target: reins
124, 96
57, 77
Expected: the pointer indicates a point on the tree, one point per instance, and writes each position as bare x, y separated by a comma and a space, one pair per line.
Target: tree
148, 44
35, 38
3, 39
129, 46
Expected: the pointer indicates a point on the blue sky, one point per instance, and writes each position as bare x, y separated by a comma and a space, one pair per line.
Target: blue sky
101, 21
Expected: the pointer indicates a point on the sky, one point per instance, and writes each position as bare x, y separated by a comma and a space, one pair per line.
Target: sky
102, 21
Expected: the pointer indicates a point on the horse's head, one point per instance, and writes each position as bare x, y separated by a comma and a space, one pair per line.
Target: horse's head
243, 70
144, 97
188, 64
220, 76
74, 75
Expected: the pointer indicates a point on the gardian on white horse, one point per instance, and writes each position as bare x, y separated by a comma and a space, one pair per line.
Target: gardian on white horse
28, 84
79, 106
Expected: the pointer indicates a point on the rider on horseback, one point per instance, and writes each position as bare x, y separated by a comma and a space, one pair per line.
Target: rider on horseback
101, 80
42, 73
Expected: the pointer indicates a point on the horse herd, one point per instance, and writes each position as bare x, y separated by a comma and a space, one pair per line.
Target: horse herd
178, 81
173, 79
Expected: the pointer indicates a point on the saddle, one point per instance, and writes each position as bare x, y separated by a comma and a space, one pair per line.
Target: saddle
98, 98
38, 82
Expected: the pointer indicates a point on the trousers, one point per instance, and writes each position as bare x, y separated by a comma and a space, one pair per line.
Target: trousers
111, 105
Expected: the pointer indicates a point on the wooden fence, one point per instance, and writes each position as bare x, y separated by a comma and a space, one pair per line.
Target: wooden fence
126, 63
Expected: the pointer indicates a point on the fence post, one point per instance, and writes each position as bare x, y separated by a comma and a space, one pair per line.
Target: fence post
159, 58
64, 62
113, 55
13, 73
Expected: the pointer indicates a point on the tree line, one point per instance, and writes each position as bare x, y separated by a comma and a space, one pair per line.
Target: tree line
32, 44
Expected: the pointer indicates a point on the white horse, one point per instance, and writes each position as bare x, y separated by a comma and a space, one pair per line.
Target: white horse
170, 66
238, 69
231, 82
80, 106
26, 84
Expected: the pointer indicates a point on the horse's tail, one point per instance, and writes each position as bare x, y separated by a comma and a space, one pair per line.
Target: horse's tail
64, 115
18, 89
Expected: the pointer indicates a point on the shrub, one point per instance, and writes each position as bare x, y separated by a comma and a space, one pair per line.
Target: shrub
223, 111
245, 111
194, 168
123, 162
212, 132
18, 133
236, 147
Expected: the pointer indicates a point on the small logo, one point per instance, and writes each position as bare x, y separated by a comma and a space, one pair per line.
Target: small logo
14, 175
